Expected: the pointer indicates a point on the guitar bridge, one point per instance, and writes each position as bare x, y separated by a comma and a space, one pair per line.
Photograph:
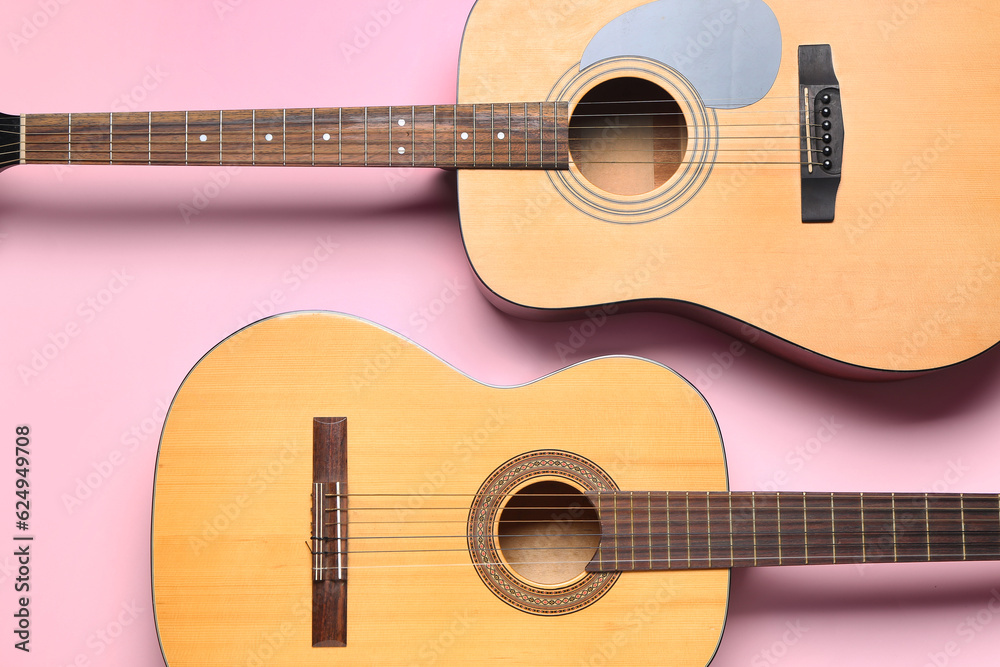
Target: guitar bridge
822, 133
328, 548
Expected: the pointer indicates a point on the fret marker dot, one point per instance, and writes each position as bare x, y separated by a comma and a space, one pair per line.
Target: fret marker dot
402, 122
401, 150
268, 137
465, 135
326, 137
500, 135
203, 137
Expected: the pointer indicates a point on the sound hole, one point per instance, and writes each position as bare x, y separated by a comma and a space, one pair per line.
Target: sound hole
548, 532
628, 136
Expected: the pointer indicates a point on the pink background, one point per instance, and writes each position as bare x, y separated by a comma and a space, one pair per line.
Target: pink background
97, 404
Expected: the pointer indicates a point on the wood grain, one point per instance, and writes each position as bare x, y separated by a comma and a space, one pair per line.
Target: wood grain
908, 276
231, 574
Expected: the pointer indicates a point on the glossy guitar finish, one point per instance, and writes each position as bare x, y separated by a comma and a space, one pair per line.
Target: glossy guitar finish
329, 494
231, 515
906, 278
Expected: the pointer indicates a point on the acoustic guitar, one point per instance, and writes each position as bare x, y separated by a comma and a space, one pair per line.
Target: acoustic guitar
814, 178
328, 493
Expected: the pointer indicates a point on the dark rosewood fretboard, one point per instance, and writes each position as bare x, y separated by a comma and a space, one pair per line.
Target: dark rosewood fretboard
696, 530
503, 136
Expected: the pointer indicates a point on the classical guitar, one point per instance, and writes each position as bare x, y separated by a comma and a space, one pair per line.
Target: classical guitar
811, 177
329, 494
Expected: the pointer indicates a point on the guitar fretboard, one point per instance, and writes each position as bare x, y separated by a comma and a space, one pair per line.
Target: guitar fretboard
500, 136
677, 530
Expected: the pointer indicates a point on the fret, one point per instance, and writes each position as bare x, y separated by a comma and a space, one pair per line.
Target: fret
614, 513
562, 134
525, 135
945, 520
649, 531
708, 525
237, 131
767, 535
268, 137
353, 133
699, 535
423, 129
203, 137
298, 137
90, 137
911, 528
895, 550
927, 525
983, 531
753, 510
510, 137
687, 525
791, 520
326, 137
849, 533
864, 553
378, 137
819, 518
805, 529
524, 120
777, 521
547, 124
464, 132
129, 138
961, 503
50, 138
667, 509
833, 528
719, 520
877, 517
631, 526
732, 546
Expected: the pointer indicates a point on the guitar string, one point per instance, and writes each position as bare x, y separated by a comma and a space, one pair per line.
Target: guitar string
703, 563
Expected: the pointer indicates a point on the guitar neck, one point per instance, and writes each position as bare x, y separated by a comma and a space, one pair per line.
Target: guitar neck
677, 530
468, 136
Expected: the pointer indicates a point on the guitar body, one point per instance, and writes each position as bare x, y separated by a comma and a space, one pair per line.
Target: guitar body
231, 514
905, 278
